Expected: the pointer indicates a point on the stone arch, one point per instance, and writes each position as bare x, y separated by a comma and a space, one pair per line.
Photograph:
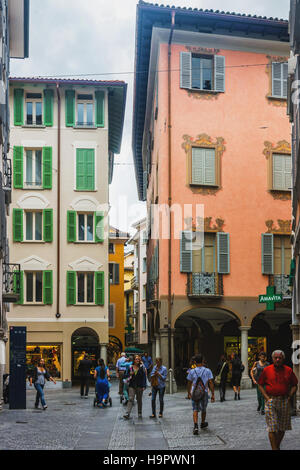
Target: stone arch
226, 310
84, 340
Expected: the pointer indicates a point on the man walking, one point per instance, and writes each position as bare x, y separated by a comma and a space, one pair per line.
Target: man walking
278, 384
148, 363
205, 377
120, 370
84, 369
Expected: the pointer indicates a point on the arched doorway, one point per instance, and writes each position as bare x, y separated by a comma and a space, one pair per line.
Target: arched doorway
84, 340
114, 349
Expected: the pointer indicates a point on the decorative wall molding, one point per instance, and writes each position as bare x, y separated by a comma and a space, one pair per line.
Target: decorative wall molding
204, 224
202, 50
86, 204
86, 264
33, 201
279, 102
284, 226
34, 263
282, 147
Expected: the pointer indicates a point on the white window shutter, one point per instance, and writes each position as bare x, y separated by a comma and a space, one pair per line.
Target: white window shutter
278, 171
284, 79
267, 257
186, 251
223, 253
185, 70
288, 172
277, 79
198, 157
210, 167
219, 70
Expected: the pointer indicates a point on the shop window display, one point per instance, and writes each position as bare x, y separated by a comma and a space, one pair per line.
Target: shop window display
232, 345
51, 355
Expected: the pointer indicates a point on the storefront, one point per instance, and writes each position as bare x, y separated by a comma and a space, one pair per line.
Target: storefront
52, 355
232, 345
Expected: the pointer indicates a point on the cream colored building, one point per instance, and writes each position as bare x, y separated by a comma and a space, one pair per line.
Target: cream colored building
64, 134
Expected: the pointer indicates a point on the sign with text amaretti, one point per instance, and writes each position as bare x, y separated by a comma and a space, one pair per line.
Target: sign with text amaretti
270, 298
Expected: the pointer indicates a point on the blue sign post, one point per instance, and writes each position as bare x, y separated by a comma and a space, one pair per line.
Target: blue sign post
17, 366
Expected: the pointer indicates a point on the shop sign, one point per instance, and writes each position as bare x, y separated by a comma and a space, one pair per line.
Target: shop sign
270, 298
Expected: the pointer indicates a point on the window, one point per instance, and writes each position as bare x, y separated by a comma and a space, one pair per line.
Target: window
85, 288
282, 255
202, 72
282, 172
144, 265
203, 171
33, 225
85, 227
34, 287
33, 106
111, 248
204, 259
114, 273
111, 316
144, 324
50, 353
279, 79
85, 169
144, 292
33, 168
85, 110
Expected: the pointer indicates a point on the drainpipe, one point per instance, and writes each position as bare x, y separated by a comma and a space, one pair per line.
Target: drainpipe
58, 314
170, 189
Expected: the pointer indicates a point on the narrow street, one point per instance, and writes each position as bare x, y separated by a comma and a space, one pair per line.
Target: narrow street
72, 423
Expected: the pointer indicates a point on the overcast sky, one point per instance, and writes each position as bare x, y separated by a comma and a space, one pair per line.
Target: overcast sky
72, 38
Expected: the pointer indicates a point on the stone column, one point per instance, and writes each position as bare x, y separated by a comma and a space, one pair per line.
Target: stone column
2, 366
164, 343
174, 385
157, 346
103, 352
246, 382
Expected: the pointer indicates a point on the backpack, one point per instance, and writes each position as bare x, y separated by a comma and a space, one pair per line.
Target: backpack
199, 390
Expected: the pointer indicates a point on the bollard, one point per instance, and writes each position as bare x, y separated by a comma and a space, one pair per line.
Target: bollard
170, 381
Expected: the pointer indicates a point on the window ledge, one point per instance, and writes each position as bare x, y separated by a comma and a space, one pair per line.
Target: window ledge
281, 190
198, 90
86, 190
34, 126
85, 127
276, 98
205, 185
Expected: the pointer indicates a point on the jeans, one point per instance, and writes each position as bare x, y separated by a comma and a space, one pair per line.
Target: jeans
84, 384
139, 395
222, 389
161, 392
121, 383
260, 399
39, 395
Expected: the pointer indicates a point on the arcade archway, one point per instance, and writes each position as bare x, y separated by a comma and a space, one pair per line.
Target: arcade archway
84, 340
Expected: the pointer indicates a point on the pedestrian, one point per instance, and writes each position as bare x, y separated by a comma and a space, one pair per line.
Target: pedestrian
200, 378
120, 369
278, 384
148, 363
255, 373
84, 370
128, 364
237, 370
102, 385
136, 386
221, 376
192, 365
38, 379
158, 381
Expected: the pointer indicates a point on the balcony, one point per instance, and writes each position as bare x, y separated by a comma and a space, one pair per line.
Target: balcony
281, 282
7, 174
131, 338
11, 282
134, 283
152, 292
205, 285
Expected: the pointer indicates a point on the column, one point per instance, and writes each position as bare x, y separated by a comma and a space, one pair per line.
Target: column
103, 352
246, 382
174, 385
2, 368
157, 346
164, 343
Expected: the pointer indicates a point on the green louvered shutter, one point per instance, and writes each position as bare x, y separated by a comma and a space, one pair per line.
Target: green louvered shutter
99, 287
18, 167
90, 170
48, 107
48, 225
71, 287
18, 107
185, 70
18, 225
186, 252
21, 290
219, 69
70, 108
267, 253
48, 287
85, 169
99, 227
47, 167
71, 226
100, 100
80, 169
223, 253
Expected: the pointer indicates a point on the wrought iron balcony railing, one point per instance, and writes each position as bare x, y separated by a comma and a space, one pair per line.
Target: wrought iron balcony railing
7, 174
11, 282
152, 291
134, 283
131, 338
281, 282
205, 285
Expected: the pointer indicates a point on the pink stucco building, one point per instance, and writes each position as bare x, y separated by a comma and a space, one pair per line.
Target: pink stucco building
211, 130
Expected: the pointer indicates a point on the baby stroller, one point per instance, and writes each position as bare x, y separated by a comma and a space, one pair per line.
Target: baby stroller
6, 388
107, 401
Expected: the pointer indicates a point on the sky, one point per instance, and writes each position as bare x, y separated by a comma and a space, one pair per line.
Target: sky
72, 38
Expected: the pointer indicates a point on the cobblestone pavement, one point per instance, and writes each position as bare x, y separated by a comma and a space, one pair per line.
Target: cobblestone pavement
73, 423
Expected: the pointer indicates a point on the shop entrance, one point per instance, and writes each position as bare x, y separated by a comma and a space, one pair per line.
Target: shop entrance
84, 341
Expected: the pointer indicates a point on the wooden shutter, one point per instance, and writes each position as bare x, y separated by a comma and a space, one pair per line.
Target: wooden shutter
209, 166
203, 166
99, 227
48, 287
279, 79
48, 225
219, 72
90, 170
21, 292
267, 251
185, 70
70, 108
18, 106
48, 107
278, 171
85, 169
99, 287
186, 252
18, 225
47, 167
284, 79
100, 108
288, 172
71, 287
71, 226
223, 253
18, 167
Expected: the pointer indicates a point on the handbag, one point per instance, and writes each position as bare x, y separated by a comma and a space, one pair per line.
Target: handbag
218, 377
154, 381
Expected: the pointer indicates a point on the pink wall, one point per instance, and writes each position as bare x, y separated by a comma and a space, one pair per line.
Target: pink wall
243, 202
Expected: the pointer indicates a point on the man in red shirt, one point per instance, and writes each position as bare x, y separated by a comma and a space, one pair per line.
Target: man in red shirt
278, 384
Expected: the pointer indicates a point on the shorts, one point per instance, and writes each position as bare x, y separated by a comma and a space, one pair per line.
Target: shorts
278, 414
200, 405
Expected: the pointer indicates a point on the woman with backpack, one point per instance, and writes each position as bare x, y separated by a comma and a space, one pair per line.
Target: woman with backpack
237, 370
38, 379
102, 386
255, 373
